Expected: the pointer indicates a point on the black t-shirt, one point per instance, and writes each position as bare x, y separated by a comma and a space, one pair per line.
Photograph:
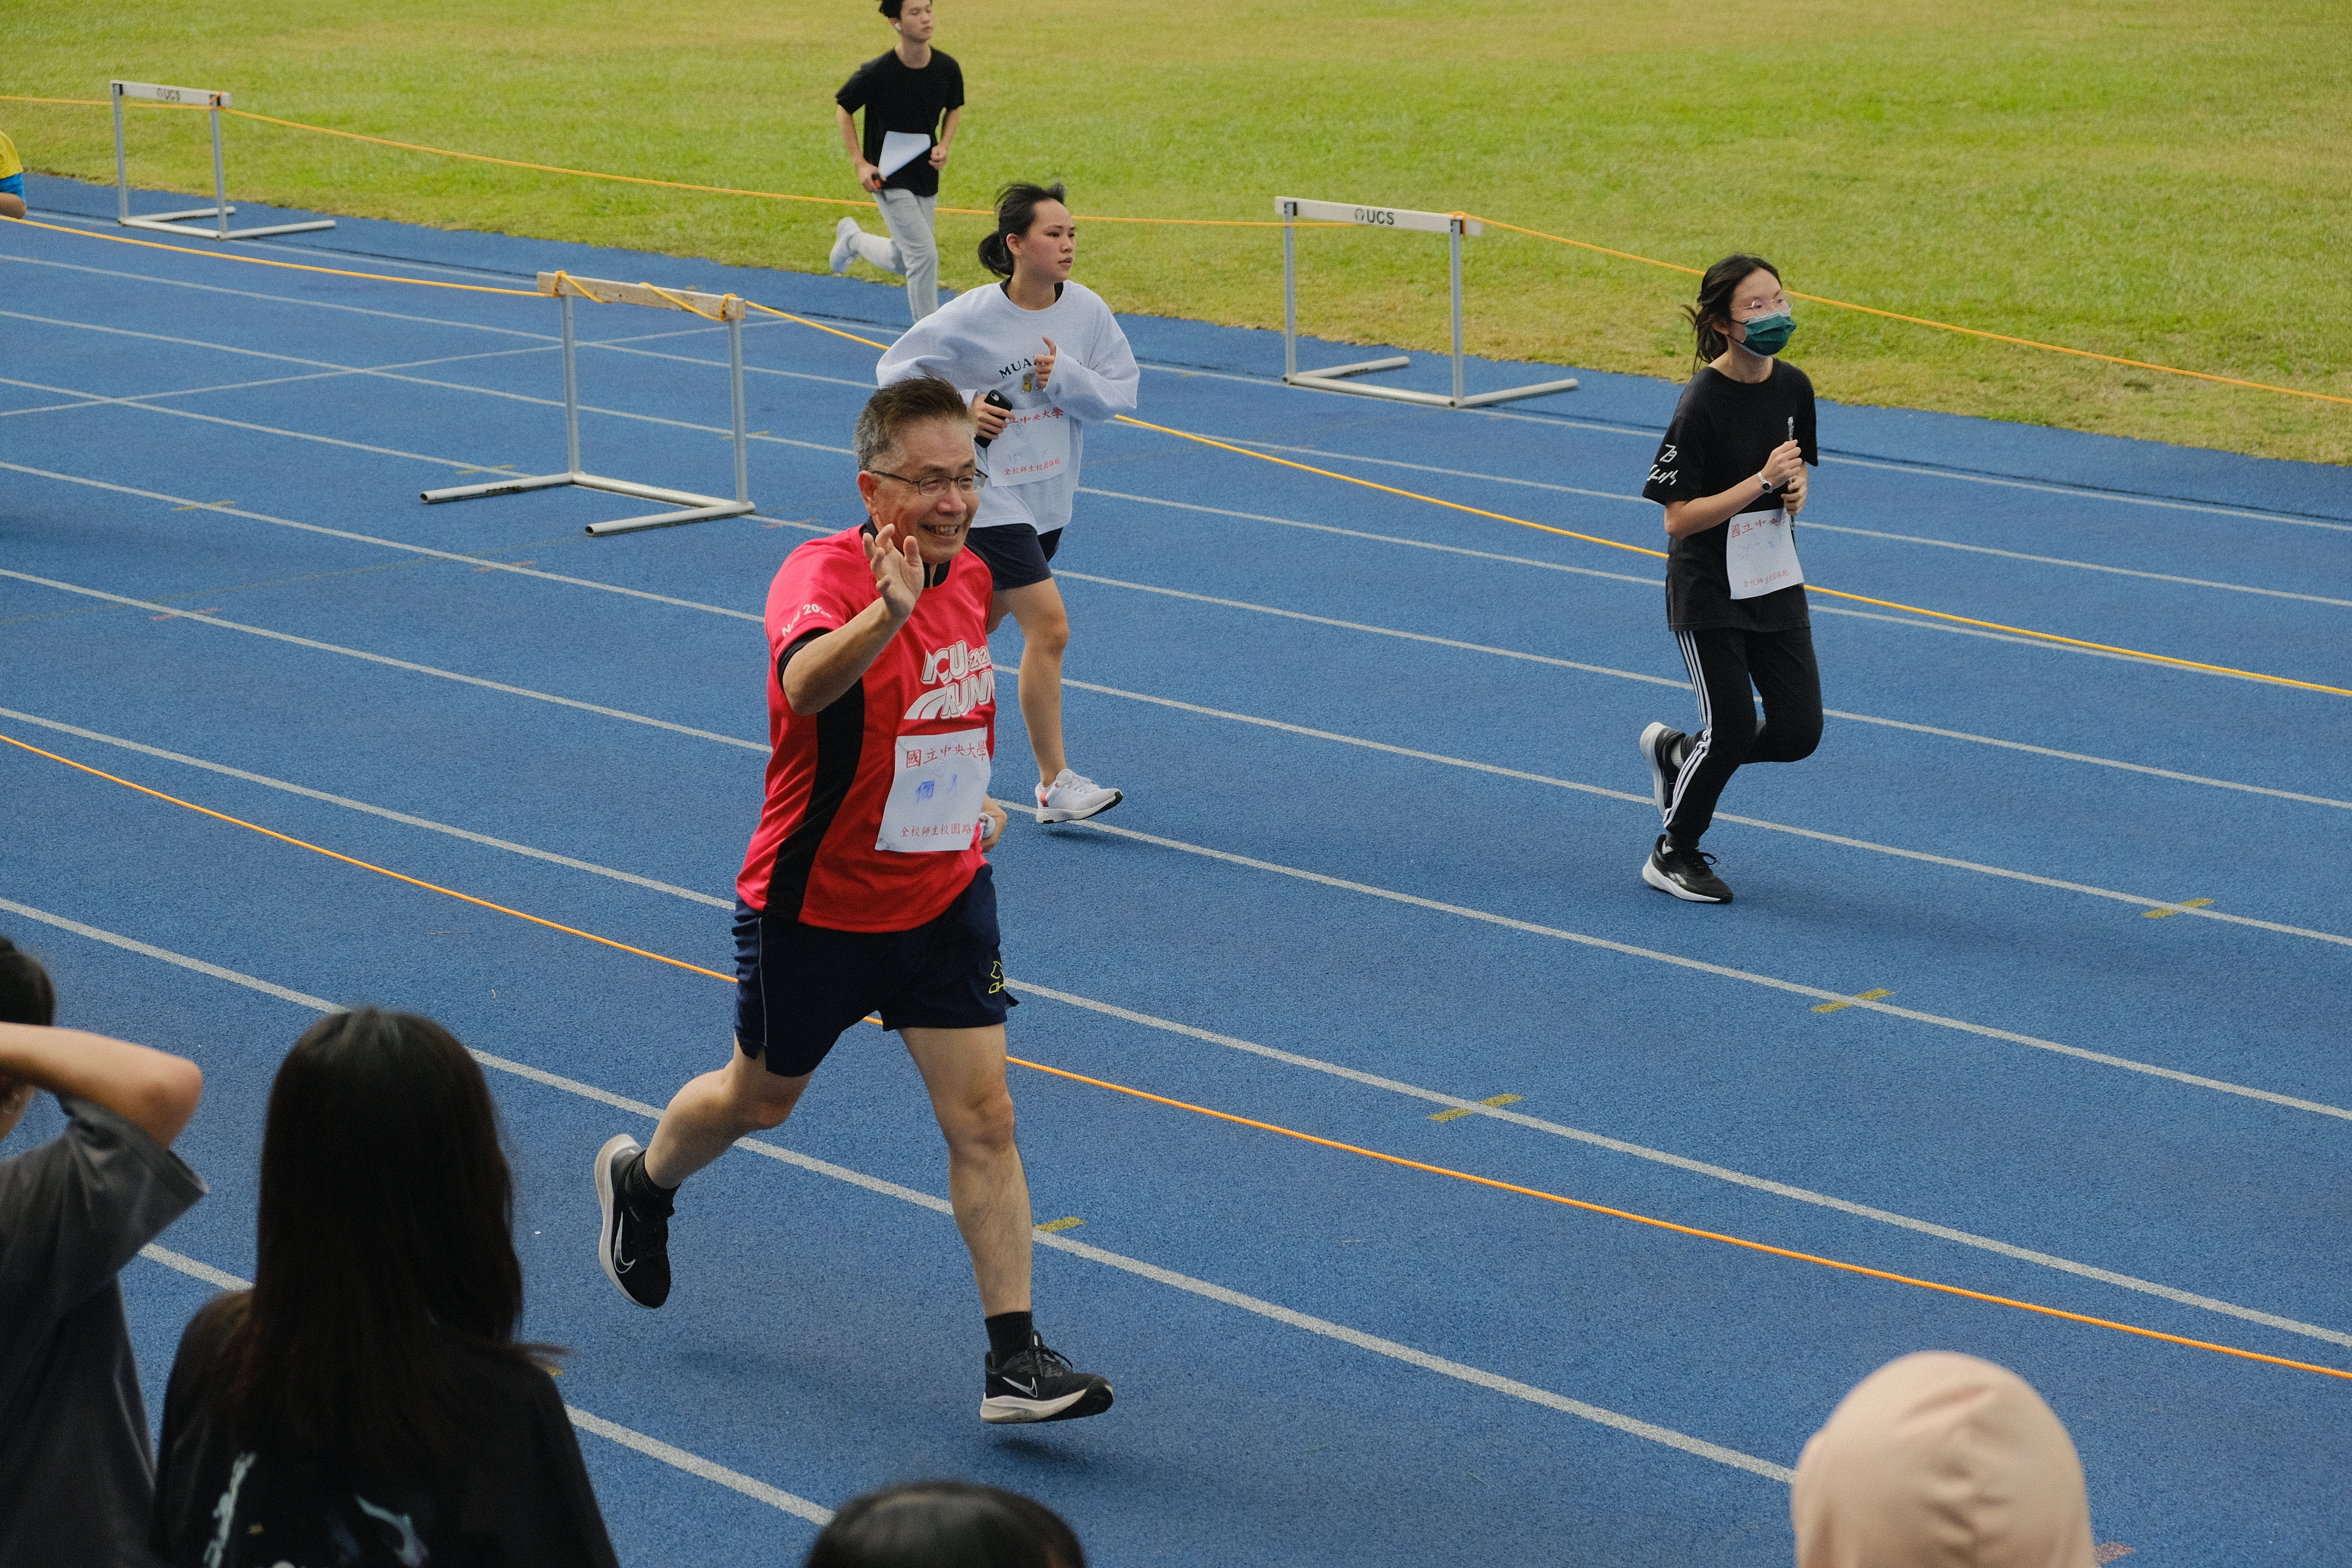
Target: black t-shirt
512, 1494
897, 97
1723, 432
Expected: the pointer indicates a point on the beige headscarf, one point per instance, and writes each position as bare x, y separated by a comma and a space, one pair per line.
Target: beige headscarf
1941, 1460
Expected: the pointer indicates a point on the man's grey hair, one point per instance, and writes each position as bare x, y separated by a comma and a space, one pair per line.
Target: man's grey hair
903, 404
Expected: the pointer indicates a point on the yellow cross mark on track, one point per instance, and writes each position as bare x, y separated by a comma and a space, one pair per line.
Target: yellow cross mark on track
1459, 1112
1068, 1222
2174, 908
1860, 996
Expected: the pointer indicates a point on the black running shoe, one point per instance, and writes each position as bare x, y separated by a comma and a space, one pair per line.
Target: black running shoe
1038, 1385
1684, 873
1663, 749
633, 1245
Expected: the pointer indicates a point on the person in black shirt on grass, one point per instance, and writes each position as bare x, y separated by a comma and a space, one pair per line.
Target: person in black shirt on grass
366, 1403
914, 91
1731, 474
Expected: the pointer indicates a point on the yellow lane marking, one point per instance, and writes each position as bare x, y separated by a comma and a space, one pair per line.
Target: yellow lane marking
1860, 996
1068, 1222
1459, 1112
2174, 908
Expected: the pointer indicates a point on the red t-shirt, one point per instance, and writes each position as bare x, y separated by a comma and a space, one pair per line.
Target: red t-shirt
880, 750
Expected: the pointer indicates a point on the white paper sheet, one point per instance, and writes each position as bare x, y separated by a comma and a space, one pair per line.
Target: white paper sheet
900, 148
936, 793
1761, 553
1035, 445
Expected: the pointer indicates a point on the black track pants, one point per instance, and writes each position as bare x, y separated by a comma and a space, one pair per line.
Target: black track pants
1723, 661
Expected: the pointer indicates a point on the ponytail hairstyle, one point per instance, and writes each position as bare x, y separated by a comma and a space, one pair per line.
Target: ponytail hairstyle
1711, 313
1016, 211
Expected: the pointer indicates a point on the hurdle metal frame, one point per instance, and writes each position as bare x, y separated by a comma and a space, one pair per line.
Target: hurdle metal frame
727, 308
176, 222
1293, 210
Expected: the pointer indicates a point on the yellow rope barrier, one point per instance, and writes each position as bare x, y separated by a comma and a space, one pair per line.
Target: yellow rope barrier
1830, 592
1591, 1207
1285, 462
265, 261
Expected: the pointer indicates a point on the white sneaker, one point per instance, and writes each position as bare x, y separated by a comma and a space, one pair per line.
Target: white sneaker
1070, 798
844, 237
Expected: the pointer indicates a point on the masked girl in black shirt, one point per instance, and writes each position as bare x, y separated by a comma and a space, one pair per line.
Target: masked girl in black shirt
1731, 474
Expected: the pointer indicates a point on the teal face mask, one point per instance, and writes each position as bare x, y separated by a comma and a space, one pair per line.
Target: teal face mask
1767, 335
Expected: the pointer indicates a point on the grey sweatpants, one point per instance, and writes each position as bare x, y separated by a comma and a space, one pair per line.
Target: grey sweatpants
911, 251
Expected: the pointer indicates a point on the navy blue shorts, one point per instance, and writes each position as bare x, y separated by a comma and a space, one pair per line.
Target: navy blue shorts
1016, 553
798, 987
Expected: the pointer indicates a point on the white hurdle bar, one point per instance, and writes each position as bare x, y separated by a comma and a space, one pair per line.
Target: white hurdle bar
1294, 210
727, 308
177, 222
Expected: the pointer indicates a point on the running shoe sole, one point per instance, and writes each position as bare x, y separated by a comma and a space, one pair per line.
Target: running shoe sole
1010, 1409
1063, 814
609, 1201
1665, 884
1660, 786
842, 252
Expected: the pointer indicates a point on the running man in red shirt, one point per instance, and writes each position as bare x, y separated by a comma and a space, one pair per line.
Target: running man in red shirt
867, 888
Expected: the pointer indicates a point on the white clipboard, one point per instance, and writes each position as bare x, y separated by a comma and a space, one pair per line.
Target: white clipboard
900, 148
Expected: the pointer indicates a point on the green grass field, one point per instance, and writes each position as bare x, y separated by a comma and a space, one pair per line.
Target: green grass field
2157, 179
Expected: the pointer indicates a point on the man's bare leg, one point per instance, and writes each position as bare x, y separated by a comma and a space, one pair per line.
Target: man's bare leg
964, 1070
713, 1110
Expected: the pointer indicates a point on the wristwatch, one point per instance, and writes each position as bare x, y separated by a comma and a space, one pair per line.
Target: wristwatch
1769, 487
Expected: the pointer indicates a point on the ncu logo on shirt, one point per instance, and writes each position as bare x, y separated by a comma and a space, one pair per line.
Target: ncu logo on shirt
965, 677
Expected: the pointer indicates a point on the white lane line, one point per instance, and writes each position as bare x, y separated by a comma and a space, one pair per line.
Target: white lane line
1828, 528
1421, 545
2136, 899
1722, 970
1476, 1376
1653, 432
612, 1431
270, 298
241, 424
1696, 1167
1915, 622
486, 841
1353, 1075
474, 561
696, 1465
759, 746
1376, 631
2082, 565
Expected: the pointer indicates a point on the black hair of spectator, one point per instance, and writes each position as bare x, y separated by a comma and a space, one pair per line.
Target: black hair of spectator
26, 996
946, 1525
1016, 210
890, 8
1711, 311
386, 1233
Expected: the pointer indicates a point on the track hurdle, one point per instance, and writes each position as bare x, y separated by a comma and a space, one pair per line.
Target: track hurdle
176, 222
1293, 210
727, 308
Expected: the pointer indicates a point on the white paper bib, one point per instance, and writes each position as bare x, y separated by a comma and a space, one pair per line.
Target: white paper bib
1760, 552
1035, 445
938, 786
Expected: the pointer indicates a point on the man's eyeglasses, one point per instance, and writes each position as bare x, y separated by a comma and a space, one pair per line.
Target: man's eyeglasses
932, 487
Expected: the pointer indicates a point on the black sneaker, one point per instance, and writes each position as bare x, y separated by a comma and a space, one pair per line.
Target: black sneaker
1663, 749
633, 1245
1038, 1385
1685, 874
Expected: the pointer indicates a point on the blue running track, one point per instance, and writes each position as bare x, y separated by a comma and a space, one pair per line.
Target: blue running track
1377, 862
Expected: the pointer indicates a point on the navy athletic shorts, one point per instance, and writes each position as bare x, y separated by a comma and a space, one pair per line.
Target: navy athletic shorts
798, 987
1016, 554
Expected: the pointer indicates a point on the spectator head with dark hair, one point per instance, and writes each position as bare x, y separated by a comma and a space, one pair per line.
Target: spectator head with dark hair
27, 995
372, 1370
946, 1525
